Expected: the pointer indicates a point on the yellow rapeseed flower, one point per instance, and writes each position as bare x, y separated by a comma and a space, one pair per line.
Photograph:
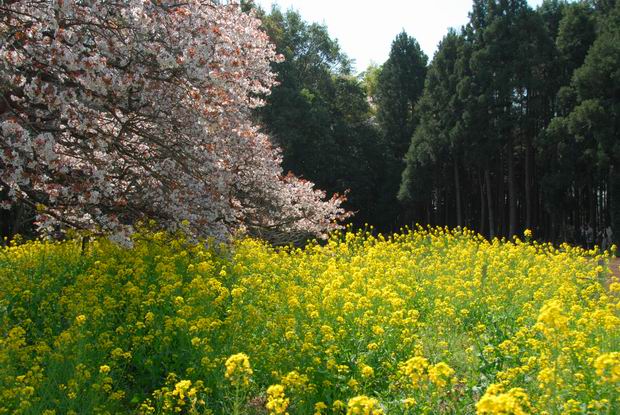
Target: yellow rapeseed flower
276, 400
440, 374
238, 370
513, 402
607, 367
367, 371
363, 405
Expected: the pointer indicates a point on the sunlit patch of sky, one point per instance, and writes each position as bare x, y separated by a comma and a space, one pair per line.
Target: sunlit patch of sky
365, 29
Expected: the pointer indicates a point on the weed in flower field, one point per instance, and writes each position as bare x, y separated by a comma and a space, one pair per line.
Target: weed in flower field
430, 321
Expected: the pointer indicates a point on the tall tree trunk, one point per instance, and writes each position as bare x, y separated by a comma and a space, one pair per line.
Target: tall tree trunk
614, 204
500, 217
563, 230
18, 218
577, 217
457, 194
483, 206
429, 207
607, 218
529, 162
445, 206
487, 180
592, 208
512, 192
541, 214
600, 192
5, 215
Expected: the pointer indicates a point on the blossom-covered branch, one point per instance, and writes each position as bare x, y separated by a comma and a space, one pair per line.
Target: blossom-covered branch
115, 111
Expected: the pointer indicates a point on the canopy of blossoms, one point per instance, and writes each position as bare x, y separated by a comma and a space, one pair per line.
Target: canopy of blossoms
113, 111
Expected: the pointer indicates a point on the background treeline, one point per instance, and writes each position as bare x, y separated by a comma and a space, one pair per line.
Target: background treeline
513, 124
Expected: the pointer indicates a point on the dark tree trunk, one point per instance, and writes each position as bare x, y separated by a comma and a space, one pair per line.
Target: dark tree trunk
614, 204
592, 209
429, 207
482, 207
457, 194
529, 162
500, 220
446, 207
487, 180
512, 193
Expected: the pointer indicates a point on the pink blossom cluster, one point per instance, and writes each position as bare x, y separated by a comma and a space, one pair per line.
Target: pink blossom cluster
115, 111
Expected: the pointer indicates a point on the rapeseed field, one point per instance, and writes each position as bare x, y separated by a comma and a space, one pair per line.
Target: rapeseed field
430, 321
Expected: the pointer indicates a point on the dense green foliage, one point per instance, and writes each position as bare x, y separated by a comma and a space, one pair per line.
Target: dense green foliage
519, 124
399, 87
512, 125
319, 114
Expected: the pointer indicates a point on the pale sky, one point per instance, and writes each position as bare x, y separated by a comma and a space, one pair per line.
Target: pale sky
365, 29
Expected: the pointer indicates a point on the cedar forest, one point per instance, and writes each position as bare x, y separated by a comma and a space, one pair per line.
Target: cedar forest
513, 124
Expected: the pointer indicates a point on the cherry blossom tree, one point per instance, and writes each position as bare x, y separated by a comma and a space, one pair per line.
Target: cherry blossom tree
115, 111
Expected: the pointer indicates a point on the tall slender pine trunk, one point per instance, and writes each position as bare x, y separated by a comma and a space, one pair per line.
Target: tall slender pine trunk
529, 162
614, 204
500, 215
487, 180
512, 192
457, 194
483, 206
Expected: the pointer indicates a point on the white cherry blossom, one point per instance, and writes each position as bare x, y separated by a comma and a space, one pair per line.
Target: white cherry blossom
112, 112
